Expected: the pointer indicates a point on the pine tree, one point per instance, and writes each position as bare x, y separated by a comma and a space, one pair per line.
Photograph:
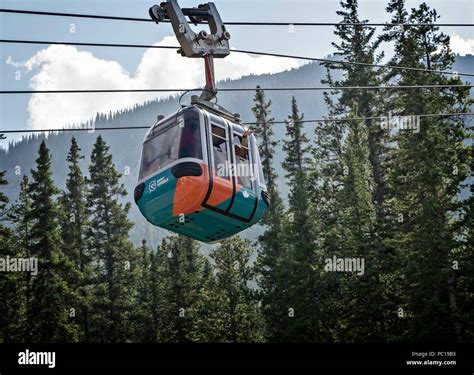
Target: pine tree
358, 44
272, 250
301, 259
296, 145
328, 173
264, 132
296, 165
325, 181
159, 308
74, 233
20, 214
48, 309
426, 177
182, 279
3, 197
238, 315
465, 261
114, 274
208, 325
12, 285
151, 310
143, 312
357, 215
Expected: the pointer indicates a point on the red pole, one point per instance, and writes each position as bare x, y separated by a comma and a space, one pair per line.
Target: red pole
209, 69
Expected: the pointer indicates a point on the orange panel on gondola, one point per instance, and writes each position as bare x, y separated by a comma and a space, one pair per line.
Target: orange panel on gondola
222, 190
190, 192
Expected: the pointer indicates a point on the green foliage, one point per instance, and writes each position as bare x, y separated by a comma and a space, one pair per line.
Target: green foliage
272, 251
348, 192
264, 132
48, 317
3, 197
425, 184
298, 267
12, 293
115, 261
74, 224
182, 280
236, 313
144, 312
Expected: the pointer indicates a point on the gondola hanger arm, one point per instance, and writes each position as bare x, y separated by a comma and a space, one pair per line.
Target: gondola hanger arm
207, 45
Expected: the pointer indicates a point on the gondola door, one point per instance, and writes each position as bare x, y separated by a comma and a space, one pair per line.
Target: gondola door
231, 191
245, 201
221, 183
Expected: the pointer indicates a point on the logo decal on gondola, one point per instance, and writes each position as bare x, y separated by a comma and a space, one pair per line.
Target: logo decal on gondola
157, 183
246, 194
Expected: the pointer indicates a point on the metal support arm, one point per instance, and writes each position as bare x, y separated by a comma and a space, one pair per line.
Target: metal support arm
210, 90
193, 44
203, 44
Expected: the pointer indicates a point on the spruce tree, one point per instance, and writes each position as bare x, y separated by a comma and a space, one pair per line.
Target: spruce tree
272, 249
149, 317
238, 315
12, 284
357, 216
74, 233
301, 259
48, 315
430, 165
20, 214
159, 294
358, 44
145, 330
182, 280
329, 171
114, 273
325, 181
264, 133
208, 325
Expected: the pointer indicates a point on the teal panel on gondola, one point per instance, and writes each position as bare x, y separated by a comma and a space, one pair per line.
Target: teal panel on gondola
244, 203
260, 211
156, 203
206, 225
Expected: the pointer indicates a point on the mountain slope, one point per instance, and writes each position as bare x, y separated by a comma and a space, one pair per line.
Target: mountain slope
125, 145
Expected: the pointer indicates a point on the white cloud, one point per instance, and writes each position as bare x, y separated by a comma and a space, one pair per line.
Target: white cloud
462, 46
64, 67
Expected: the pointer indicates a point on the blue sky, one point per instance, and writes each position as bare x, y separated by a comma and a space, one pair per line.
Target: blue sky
15, 111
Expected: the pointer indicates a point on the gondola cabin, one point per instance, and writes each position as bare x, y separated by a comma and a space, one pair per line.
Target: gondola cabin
201, 175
